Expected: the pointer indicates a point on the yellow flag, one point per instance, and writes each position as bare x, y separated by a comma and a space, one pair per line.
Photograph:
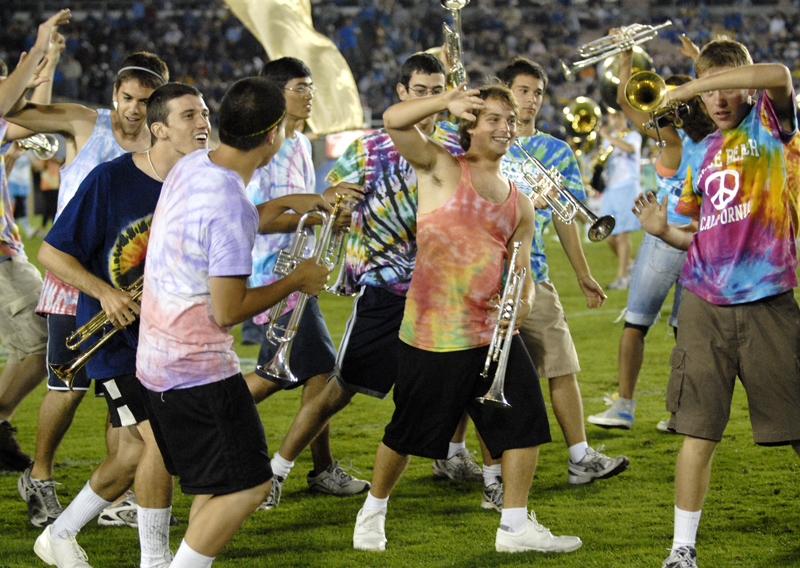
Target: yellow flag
285, 29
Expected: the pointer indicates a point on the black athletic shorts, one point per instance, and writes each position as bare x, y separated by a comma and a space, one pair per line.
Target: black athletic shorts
211, 437
434, 389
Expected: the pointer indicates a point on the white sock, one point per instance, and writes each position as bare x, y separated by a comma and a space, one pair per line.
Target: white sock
85, 507
686, 523
577, 451
513, 520
491, 473
153, 535
374, 504
280, 466
188, 558
453, 449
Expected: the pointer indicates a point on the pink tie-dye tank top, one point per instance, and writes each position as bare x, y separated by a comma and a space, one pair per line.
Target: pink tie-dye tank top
459, 267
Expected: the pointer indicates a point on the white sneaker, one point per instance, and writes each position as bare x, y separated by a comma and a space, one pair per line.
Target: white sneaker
536, 538
595, 465
120, 514
335, 481
461, 467
65, 553
274, 497
683, 557
493, 496
620, 415
369, 533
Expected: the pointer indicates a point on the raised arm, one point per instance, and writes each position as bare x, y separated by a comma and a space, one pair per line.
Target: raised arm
401, 119
29, 67
774, 78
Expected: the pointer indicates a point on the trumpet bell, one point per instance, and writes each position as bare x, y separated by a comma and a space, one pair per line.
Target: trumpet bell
645, 91
44, 146
602, 228
608, 74
278, 369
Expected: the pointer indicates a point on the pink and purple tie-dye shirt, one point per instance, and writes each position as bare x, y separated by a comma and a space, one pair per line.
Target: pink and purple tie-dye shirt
460, 261
741, 187
101, 146
203, 227
290, 171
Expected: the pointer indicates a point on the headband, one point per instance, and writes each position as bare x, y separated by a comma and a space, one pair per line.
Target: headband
267, 129
134, 68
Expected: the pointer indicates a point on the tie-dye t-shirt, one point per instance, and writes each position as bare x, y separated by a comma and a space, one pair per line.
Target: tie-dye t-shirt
672, 186
743, 191
460, 261
100, 147
106, 226
290, 171
382, 246
10, 242
203, 227
553, 153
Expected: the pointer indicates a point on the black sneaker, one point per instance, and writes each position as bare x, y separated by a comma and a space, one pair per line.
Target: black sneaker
12, 458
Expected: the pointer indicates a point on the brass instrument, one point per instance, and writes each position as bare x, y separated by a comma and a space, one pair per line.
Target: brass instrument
609, 71
452, 39
287, 261
339, 244
543, 181
44, 146
601, 49
581, 117
500, 346
67, 371
645, 92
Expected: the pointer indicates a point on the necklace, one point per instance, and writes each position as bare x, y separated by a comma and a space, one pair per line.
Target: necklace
149, 161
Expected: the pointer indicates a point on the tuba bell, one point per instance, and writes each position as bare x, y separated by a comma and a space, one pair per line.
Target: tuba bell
581, 117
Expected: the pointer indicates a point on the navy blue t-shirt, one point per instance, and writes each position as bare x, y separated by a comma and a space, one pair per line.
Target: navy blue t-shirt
106, 226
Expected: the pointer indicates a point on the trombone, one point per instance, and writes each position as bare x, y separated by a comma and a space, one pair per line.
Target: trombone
325, 252
67, 371
44, 146
543, 181
600, 49
645, 92
500, 346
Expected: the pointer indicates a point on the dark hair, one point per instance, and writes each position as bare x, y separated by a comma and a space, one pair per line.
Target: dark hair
152, 73
491, 91
249, 110
158, 103
281, 71
3, 69
522, 66
697, 124
422, 62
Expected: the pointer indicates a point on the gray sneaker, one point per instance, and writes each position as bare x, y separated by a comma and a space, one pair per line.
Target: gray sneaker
595, 465
493, 496
43, 505
683, 557
120, 514
461, 467
274, 497
335, 481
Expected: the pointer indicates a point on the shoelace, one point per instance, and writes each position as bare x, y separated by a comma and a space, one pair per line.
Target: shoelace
48, 489
610, 399
348, 467
76, 548
683, 557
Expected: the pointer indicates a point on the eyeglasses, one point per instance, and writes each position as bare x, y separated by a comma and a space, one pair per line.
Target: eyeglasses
423, 92
303, 90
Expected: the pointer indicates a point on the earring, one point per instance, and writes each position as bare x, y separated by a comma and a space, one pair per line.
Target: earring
750, 100
115, 105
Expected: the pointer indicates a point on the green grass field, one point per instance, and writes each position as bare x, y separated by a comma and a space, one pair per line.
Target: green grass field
751, 516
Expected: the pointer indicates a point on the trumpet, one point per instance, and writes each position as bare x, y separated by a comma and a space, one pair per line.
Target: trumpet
500, 346
67, 371
325, 254
452, 39
600, 49
44, 146
645, 92
543, 181
339, 287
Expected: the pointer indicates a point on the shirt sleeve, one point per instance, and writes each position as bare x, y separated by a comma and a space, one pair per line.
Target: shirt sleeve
351, 166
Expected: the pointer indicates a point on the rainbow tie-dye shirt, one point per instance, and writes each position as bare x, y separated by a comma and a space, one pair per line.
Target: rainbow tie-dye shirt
742, 188
381, 247
10, 242
203, 227
460, 261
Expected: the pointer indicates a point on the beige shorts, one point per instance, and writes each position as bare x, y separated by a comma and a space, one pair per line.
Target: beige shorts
758, 342
22, 332
546, 335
